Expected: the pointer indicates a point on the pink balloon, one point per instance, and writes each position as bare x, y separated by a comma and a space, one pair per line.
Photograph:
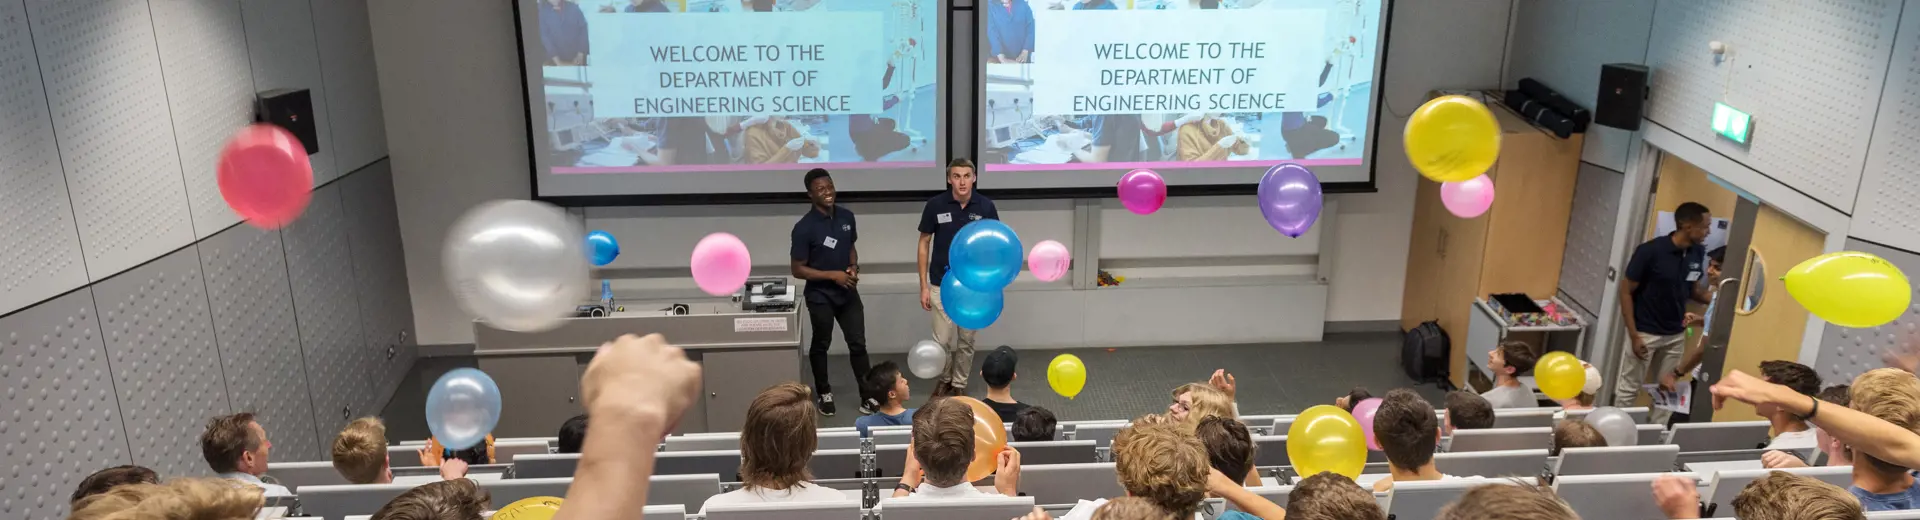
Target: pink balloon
1142, 191
1363, 412
1049, 260
1469, 198
720, 264
264, 176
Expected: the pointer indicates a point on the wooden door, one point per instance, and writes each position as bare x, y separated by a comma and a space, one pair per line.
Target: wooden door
1774, 328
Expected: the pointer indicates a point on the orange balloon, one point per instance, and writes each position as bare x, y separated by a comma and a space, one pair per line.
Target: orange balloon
989, 437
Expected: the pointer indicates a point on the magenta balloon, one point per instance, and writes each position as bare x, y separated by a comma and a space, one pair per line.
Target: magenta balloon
1363, 412
1290, 199
1142, 191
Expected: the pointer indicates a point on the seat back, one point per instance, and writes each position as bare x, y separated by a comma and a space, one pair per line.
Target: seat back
1275, 494
1650, 434
848, 510
1068, 483
296, 475
1622, 459
1423, 500
841, 440
1613, 496
1492, 464
1501, 439
663, 512
1523, 417
702, 442
838, 463
504, 452
1910, 514
1054, 452
1721, 436
691, 490
339, 502
891, 437
402, 456
1690, 457
1638, 413
1724, 485
1272, 451
545, 466
726, 463
973, 508
507, 491
1100, 434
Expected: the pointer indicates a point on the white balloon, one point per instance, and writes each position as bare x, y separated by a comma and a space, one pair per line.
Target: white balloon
1615, 425
927, 359
519, 265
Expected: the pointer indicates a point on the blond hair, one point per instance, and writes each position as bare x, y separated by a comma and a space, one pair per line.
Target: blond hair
1164, 464
457, 499
1891, 395
1786, 496
779, 438
1207, 401
1516, 501
1131, 508
188, 498
360, 450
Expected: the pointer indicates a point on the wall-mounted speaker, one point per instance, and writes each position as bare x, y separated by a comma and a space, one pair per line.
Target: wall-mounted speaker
291, 109
1623, 95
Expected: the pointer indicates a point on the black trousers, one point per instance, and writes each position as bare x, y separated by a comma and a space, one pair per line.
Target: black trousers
853, 322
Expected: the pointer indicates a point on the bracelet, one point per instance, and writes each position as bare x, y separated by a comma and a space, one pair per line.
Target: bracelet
1814, 411
903, 487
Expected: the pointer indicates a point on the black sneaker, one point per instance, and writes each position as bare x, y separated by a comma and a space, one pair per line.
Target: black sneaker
866, 407
825, 402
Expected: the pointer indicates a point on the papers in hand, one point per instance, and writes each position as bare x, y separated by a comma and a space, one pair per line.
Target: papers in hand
1680, 400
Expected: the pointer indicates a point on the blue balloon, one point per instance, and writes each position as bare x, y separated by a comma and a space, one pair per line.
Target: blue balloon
985, 255
968, 308
602, 248
462, 408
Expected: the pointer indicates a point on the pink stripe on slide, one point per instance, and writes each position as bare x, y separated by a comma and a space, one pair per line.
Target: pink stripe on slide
1168, 165
739, 167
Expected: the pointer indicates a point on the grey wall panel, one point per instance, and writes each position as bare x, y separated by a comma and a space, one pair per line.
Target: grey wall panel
166, 368
380, 269
62, 422
109, 106
1596, 204
353, 87
339, 363
253, 315
1888, 210
284, 54
39, 243
203, 50
1846, 353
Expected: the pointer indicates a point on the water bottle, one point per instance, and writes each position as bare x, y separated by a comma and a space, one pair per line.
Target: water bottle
606, 295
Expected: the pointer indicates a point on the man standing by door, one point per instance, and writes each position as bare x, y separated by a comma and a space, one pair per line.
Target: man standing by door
942, 218
1661, 276
824, 256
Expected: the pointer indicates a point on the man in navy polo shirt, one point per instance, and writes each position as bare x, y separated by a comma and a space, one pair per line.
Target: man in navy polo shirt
1661, 276
824, 256
943, 217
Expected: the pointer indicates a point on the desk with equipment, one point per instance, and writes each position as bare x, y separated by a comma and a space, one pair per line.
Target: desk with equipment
743, 347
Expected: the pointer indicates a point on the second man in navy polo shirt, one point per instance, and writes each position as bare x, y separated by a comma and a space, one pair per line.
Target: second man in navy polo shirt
824, 256
942, 218
1661, 277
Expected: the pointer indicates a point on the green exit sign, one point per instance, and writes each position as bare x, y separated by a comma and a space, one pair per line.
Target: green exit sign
1731, 122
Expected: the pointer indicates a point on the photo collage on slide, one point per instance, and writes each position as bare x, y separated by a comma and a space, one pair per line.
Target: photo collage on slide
636, 86
1181, 83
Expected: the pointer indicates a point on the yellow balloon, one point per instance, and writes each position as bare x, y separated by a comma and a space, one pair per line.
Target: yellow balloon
530, 508
1850, 289
1067, 375
1560, 375
1452, 139
1327, 438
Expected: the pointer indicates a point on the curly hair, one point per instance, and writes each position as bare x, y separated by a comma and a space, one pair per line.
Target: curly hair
1783, 496
1164, 464
1131, 508
360, 450
194, 498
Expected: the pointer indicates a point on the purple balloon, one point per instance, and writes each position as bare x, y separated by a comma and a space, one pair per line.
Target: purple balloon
1290, 199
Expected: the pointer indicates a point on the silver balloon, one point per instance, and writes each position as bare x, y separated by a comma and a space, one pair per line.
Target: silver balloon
927, 359
1615, 425
519, 265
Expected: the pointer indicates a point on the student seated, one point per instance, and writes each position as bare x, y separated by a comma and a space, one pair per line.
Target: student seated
1575, 433
1409, 434
1467, 411
434, 453
236, 448
1584, 400
1034, 424
1509, 502
360, 454
1353, 398
573, 434
1777, 496
887, 394
1508, 361
1194, 401
941, 451
1230, 448
458, 499
1835, 450
1130, 508
1332, 496
998, 371
1790, 432
1891, 395
1166, 465
775, 445
192, 498
107, 479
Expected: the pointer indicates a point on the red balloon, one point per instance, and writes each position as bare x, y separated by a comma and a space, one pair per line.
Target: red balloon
265, 177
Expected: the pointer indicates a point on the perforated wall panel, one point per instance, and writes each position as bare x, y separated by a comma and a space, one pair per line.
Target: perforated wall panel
109, 106
259, 344
1596, 204
281, 46
1846, 353
380, 269
353, 88
62, 422
1889, 208
166, 368
1809, 71
340, 364
203, 50
39, 244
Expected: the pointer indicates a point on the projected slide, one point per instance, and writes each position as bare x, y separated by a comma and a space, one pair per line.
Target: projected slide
1114, 84
665, 86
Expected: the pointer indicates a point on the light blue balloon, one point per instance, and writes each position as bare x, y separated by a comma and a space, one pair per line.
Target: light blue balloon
462, 408
602, 248
985, 255
968, 308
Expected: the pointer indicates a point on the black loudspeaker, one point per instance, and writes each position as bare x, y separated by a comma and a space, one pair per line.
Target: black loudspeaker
291, 109
1623, 93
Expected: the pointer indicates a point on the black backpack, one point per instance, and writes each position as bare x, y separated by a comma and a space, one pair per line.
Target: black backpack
1423, 353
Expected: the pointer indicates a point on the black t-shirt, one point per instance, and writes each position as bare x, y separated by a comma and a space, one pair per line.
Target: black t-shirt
826, 243
943, 217
1667, 275
1007, 411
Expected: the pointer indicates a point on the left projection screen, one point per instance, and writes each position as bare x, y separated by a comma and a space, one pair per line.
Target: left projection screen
668, 97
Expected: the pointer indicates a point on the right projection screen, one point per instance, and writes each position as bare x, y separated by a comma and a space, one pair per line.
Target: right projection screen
1206, 92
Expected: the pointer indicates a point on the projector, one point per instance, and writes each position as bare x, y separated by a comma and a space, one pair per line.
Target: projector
766, 294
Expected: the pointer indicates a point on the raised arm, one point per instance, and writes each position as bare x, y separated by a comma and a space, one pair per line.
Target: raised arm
635, 388
1863, 432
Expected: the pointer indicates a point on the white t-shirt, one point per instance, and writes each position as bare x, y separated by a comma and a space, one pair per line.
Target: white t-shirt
962, 490
1801, 440
802, 492
1510, 397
